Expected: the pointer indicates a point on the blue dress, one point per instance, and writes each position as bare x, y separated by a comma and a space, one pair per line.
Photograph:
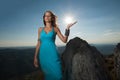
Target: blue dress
49, 57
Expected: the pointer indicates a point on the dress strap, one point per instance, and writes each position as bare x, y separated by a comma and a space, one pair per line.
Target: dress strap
52, 28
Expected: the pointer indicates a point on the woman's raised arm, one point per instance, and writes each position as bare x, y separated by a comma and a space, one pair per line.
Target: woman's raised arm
60, 35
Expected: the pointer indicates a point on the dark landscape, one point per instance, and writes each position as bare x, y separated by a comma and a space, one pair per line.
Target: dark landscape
16, 63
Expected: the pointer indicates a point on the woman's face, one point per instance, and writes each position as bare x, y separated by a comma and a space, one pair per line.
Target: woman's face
47, 17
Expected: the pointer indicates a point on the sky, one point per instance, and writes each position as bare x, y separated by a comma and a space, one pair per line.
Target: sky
98, 21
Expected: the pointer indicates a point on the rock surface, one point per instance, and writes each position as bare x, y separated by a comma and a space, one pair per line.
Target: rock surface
117, 61
83, 62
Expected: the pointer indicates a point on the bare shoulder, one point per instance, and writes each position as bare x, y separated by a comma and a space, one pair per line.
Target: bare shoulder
56, 29
40, 29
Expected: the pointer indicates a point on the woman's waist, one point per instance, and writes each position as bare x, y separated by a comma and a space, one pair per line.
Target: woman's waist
47, 43
48, 40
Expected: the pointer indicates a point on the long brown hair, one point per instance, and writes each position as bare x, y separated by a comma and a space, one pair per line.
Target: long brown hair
54, 18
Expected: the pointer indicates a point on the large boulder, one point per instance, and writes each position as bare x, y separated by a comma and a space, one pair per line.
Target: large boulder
117, 61
83, 62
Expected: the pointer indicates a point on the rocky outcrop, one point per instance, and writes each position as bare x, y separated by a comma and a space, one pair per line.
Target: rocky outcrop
117, 61
83, 62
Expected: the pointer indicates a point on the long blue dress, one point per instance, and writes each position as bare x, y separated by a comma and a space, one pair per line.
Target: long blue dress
49, 57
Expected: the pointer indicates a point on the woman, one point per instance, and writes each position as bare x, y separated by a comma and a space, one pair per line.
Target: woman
49, 58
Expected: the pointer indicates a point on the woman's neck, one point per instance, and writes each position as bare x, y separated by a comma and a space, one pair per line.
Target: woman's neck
48, 25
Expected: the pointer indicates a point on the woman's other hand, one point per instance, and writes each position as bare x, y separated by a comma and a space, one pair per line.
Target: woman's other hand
35, 62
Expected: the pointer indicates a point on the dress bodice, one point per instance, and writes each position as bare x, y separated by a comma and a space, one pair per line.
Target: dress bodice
47, 37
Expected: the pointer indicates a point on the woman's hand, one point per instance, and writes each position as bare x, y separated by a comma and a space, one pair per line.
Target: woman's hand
69, 25
35, 62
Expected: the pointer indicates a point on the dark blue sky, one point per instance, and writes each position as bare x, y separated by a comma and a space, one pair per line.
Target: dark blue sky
98, 20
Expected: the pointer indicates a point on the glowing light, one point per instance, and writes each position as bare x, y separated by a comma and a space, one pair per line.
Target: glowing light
68, 19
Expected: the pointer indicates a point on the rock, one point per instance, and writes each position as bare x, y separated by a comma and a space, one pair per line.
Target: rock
117, 61
83, 62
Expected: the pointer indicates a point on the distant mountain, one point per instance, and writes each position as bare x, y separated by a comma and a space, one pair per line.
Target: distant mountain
105, 49
16, 62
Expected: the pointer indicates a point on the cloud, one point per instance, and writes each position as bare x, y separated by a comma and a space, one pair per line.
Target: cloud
112, 33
